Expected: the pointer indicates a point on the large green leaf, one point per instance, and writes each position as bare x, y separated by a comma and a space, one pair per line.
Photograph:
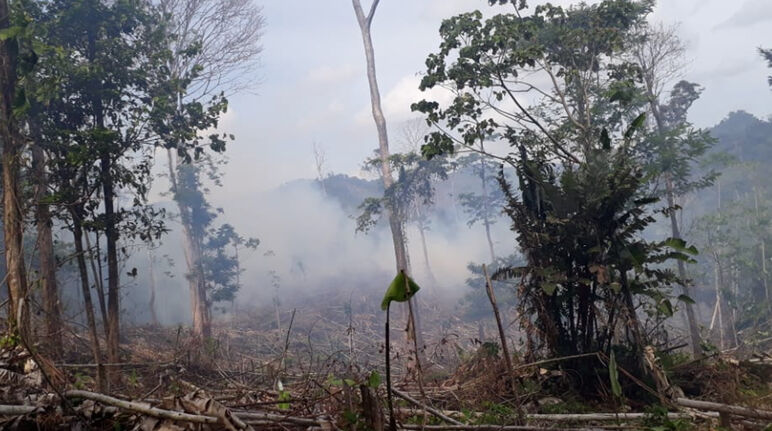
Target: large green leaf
397, 290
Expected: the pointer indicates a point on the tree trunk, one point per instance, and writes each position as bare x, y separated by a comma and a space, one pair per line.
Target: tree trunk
113, 280
11, 160
77, 233
694, 330
427, 263
95, 255
53, 319
396, 225
111, 233
151, 304
486, 210
202, 325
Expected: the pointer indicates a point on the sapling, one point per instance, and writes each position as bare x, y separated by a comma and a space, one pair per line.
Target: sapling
401, 289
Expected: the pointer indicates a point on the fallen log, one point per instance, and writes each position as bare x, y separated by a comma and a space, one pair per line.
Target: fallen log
493, 428
12, 410
725, 408
141, 408
574, 417
431, 410
256, 418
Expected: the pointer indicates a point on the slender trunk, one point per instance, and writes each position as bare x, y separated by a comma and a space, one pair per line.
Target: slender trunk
111, 233
763, 250
202, 327
486, 209
94, 256
77, 233
113, 280
53, 318
11, 162
694, 331
396, 225
151, 304
97, 279
427, 263
719, 305
502, 334
634, 324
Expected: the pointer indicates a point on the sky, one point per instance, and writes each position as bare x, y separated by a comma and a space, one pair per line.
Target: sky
311, 86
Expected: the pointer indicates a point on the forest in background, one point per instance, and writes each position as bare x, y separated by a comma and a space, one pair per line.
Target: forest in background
564, 239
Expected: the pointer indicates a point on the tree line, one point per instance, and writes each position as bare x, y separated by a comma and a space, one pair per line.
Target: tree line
92, 92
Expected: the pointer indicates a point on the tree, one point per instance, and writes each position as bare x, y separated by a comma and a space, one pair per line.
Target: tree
395, 223
11, 106
486, 206
676, 146
767, 55
215, 45
582, 202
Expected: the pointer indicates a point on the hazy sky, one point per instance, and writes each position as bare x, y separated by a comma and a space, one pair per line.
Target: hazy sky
313, 88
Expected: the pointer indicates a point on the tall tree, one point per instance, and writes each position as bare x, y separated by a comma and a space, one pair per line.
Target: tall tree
575, 149
215, 45
484, 207
13, 145
677, 146
395, 224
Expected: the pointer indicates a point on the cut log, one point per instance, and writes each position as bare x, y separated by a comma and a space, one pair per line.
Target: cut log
431, 410
747, 412
141, 408
11, 410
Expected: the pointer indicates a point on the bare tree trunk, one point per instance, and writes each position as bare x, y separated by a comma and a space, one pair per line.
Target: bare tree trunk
77, 232
11, 162
427, 262
151, 304
694, 330
486, 210
53, 318
396, 225
763, 250
202, 325
95, 256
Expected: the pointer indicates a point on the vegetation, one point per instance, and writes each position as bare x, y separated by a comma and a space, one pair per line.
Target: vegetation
572, 126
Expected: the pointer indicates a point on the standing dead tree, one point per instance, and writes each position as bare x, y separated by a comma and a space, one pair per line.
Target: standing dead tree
395, 224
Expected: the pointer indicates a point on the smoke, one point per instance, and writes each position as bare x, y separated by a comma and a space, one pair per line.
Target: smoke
309, 249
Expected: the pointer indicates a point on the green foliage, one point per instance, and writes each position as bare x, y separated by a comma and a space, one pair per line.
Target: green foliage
374, 380
413, 188
9, 341
657, 420
401, 289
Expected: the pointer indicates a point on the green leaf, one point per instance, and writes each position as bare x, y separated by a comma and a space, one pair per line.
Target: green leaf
680, 245
613, 375
10, 32
635, 125
665, 307
549, 288
284, 396
374, 380
605, 140
615, 286
686, 299
397, 290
